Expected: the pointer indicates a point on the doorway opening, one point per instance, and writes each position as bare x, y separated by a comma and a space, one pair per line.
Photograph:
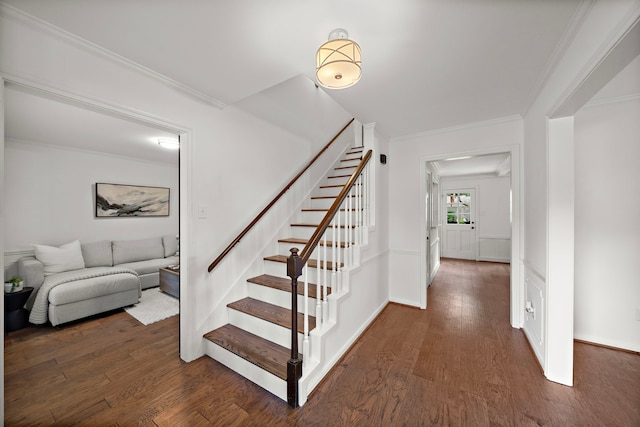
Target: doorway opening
473, 213
70, 143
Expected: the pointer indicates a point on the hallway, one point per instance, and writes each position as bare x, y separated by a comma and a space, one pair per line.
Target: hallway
458, 363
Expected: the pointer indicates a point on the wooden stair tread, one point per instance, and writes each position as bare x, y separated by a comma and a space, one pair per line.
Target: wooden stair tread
333, 197
311, 263
297, 241
271, 313
284, 284
332, 186
339, 176
324, 209
345, 167
266, 354
304, 224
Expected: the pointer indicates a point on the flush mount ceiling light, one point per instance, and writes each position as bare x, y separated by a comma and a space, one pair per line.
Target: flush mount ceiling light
338, 61
171, 144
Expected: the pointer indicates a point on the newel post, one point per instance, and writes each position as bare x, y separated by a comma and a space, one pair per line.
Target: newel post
294, 365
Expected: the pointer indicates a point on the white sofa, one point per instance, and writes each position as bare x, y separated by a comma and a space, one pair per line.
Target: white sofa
82, 279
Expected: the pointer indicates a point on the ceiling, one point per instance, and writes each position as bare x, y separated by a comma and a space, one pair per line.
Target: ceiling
492, 164
34, 117
427, 64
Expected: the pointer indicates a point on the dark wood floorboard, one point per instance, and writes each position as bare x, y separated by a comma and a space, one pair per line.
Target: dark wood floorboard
458, 363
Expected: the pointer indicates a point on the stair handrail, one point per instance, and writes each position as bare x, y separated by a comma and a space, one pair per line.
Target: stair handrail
333, 210
274, 201
295, 264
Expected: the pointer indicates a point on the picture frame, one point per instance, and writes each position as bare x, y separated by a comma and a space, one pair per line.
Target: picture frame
122, 200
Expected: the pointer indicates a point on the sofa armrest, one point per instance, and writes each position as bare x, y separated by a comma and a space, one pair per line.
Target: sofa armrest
31, 270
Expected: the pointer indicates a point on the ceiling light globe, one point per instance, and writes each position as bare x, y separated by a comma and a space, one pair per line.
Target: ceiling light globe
338, 64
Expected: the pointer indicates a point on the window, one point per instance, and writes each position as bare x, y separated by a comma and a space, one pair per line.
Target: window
458, 208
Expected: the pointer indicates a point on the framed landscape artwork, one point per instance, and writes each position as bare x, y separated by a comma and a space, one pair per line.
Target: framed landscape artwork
118, 200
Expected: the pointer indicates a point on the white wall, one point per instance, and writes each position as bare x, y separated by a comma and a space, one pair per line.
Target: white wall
406, 160
49, 196
231, 162
607, 209
587, 44
493, 222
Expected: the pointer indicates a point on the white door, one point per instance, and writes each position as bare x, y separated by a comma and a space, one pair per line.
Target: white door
460, 227
427, 216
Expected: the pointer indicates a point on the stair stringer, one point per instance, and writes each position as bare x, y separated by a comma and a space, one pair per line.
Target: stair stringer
254, 248
350, 313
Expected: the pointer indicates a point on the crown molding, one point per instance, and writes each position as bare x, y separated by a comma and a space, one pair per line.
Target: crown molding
77, 41
576, 22
95, 104
466, 126
606, 49
435, 168
17, 142
504, 168
614, 100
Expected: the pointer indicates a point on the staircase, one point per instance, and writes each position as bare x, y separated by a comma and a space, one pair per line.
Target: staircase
256, 341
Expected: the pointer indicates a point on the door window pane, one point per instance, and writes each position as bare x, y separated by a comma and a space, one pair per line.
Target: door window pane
458, 208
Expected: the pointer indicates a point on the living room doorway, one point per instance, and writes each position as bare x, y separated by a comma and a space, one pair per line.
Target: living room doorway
54, 139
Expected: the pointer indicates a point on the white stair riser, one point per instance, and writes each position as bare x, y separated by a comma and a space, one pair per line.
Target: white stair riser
280, 269
264, 329
276, 296
338, 179
328, 191
321, 203
316, 217
285, 249
253, 373
299, 232
326, 203
344, 162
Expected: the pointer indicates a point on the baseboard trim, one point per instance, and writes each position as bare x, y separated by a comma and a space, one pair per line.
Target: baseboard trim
610, 347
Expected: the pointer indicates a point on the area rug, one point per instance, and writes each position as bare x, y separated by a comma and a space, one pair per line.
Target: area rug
154, 306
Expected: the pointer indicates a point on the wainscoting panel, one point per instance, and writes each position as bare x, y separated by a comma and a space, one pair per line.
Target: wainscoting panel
497, 249
534, 321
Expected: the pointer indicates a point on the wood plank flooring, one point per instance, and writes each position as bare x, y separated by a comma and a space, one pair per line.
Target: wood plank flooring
458, 363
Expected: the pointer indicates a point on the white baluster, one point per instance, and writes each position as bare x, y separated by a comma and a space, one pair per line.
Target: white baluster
305, 342
339, 255
325, 305
367, 188
334, 255
319, 319
349, 229
358, 210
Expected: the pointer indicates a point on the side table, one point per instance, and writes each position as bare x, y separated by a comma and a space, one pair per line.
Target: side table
15, 315
170, 281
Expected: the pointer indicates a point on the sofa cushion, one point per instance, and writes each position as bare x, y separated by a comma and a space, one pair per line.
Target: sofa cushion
170, 243
136, 250
94, 287
97, 254
58, 259
150, 266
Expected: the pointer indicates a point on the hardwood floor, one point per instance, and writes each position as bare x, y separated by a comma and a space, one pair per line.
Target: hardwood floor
458, 363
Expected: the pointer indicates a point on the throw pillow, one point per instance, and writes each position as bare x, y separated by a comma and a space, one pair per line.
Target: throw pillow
170, 243
58, 259
97, 254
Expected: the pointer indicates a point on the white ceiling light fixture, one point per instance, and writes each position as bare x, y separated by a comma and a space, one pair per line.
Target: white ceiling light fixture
171, 144
338, 63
